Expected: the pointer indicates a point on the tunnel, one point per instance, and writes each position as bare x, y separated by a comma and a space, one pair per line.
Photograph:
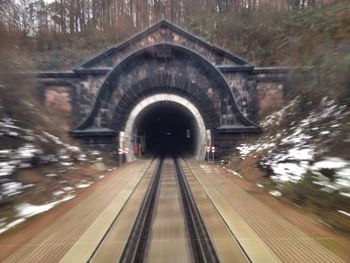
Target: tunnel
165, 124
166, 128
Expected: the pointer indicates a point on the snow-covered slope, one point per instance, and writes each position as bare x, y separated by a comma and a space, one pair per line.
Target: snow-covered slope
54, 165
30, 149
298, 143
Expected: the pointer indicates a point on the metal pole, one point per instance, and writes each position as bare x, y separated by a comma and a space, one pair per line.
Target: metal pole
213, 152
120, 157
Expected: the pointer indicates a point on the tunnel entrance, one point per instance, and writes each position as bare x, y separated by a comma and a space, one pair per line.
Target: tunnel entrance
111, 91
166, 128
166, 123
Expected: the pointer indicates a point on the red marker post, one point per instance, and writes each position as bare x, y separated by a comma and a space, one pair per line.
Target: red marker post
213, 152
120, 153
208, 151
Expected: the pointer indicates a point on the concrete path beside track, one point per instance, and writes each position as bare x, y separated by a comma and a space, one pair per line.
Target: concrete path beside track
226, 246
113, 244
245, 214
52, 243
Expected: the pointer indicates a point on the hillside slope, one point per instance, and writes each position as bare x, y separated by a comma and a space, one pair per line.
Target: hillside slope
303, 158
40, 166
303, 155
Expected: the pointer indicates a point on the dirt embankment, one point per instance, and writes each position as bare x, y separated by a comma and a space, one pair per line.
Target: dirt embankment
89, 174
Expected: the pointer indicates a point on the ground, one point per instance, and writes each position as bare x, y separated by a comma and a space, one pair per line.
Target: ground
249, 179
24, 232
337, 243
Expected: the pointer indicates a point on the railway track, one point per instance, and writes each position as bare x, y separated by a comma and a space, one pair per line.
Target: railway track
191, 236
136, 247
202, 247
169, 210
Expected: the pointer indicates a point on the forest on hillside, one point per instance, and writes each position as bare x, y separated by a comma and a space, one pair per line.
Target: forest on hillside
248, 27
42, 18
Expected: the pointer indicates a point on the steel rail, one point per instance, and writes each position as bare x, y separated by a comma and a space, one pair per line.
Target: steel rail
202, 247
136, 247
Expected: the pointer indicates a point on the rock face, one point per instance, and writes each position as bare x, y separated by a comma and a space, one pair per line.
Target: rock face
229, 92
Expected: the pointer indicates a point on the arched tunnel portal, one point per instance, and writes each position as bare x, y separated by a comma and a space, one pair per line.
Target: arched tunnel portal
164, 97
166, 123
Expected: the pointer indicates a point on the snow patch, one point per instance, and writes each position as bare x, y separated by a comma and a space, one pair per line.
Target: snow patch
275, 193
6, 169
11, 225
291, 153
27, 210
67, 188
11, 188
27, 151
284, 172
345, 194
66, 163
58, 193
82, 185
344, 213
51, 175
330, 163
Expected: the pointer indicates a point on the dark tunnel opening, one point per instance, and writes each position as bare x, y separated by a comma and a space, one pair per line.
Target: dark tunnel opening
165, 128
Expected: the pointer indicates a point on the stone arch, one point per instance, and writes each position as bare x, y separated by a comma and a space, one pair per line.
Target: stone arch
166, 97
154, 85
213, 79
